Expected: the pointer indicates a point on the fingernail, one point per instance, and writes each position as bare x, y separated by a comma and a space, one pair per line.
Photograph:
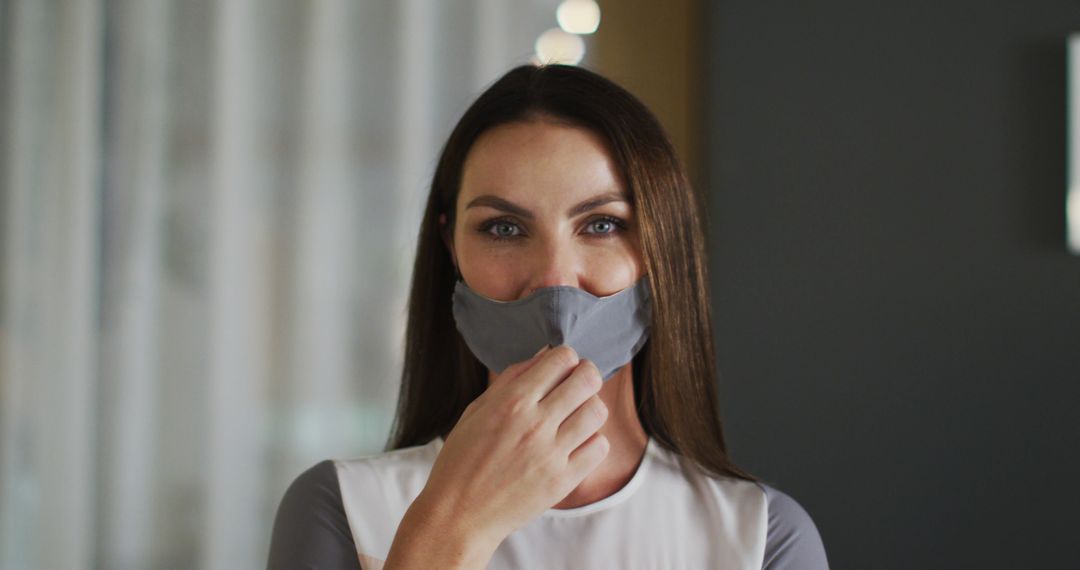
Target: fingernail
542, 350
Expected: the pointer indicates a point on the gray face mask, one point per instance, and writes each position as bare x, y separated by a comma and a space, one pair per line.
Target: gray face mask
608, 331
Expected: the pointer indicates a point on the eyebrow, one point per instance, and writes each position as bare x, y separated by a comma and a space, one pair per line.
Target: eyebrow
512, 208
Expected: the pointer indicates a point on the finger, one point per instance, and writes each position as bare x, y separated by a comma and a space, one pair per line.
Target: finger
567, 395
550, 369
515, 370
588, 456
582, 424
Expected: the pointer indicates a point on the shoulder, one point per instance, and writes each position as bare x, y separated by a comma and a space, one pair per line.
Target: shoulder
318, 485
793, 540
311, 529
404, 459
376, 491
390, 479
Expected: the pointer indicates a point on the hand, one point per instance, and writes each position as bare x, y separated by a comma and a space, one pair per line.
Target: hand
522, 446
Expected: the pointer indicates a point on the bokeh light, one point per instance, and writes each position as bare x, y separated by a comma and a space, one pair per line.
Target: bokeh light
578, 16
557, 46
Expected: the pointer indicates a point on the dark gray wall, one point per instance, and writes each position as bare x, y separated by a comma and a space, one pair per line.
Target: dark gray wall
898, 321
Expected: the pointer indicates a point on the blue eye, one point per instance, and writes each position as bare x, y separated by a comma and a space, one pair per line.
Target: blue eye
505, 230
604, 226
501, 229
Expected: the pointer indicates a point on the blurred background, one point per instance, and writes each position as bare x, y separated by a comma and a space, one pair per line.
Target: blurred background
208, 212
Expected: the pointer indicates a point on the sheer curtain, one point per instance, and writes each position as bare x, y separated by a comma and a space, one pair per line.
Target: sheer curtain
208, 211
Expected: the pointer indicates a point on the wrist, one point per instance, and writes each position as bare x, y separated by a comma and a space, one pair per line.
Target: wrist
450, 520
432, 534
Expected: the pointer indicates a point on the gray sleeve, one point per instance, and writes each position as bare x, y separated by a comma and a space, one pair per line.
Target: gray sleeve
310, 529
793, 541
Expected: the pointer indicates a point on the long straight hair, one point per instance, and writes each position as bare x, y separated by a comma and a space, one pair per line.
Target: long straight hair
674, 374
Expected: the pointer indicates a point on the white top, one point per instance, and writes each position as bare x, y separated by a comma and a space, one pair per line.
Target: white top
668, 516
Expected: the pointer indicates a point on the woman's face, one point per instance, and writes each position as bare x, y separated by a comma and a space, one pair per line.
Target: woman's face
541, 204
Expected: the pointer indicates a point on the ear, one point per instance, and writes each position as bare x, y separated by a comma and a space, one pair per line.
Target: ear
447, 234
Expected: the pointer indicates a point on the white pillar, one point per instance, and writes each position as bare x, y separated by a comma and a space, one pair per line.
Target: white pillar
48, 314
238, 286
132, 267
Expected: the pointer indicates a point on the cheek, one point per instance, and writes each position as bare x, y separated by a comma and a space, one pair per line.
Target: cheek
491, 271
609, 271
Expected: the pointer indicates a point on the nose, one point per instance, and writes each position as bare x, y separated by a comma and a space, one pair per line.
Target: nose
552, 265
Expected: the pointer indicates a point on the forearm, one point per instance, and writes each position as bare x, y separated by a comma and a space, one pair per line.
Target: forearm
430, 536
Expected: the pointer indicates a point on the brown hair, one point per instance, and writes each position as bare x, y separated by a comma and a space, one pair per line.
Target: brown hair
674, 374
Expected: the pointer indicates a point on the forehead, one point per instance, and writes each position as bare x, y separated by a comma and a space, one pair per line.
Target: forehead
538, 161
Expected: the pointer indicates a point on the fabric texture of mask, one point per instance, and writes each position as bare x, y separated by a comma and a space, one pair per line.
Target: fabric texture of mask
608, 331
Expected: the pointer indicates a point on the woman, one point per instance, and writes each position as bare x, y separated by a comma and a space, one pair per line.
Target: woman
558, 404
